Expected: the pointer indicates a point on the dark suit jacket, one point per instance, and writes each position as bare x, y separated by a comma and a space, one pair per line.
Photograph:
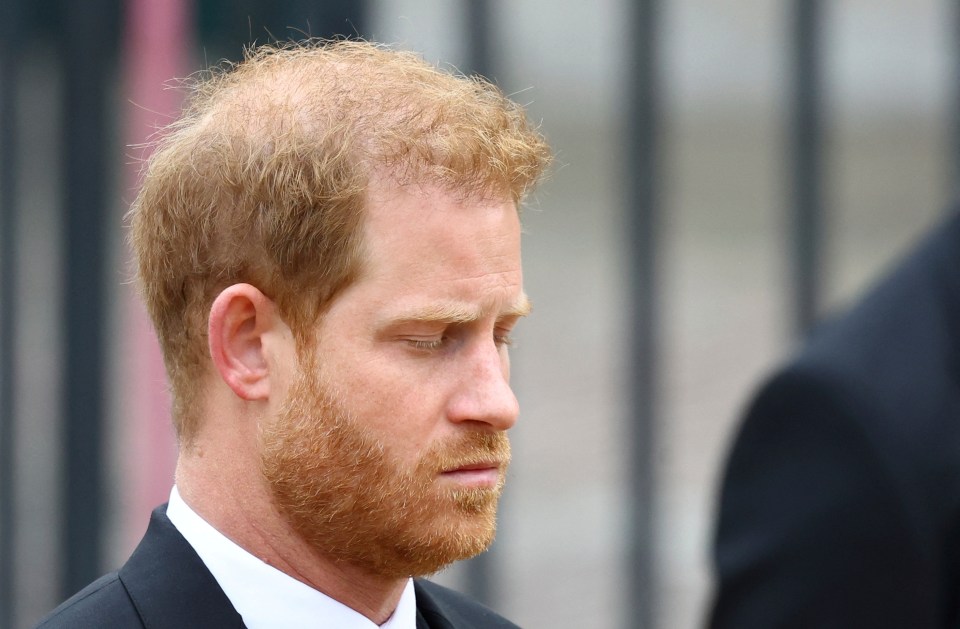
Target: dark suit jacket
165, 585
840, 506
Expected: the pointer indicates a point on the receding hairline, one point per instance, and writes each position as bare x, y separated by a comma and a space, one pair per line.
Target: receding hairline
277, 78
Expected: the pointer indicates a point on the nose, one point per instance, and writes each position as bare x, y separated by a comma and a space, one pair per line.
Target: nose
483, 394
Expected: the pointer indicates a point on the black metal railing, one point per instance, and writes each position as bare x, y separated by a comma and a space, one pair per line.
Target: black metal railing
88, 59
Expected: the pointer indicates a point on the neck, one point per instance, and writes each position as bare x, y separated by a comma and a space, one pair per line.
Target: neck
228, 492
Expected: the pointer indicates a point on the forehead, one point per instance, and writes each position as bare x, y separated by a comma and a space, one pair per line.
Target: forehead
422, 243
425, 225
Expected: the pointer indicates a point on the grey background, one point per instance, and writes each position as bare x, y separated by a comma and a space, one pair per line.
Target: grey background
559, 561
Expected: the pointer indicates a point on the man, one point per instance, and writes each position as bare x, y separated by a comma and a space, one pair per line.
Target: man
841, 502
328, 244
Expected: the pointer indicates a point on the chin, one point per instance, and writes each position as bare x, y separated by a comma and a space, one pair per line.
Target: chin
453, 537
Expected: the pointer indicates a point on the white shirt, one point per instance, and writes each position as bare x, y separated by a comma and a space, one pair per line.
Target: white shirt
267, 598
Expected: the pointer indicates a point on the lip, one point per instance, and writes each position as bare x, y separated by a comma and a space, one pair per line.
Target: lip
486, 473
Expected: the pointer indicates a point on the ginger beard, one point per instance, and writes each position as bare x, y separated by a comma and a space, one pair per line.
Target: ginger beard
345, 494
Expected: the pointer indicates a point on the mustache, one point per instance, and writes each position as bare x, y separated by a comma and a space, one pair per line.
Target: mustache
473, 448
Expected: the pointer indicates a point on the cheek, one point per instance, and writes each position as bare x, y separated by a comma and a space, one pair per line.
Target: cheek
402, 406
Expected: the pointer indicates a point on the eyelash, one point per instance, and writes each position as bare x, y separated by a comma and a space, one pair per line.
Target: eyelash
428, 345
502, 340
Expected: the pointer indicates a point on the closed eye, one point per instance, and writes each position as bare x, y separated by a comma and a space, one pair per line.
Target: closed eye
427, 344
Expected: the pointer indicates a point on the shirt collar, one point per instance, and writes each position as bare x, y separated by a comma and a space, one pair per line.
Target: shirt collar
265, 597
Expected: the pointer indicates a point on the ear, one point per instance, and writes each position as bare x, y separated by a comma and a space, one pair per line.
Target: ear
240, 317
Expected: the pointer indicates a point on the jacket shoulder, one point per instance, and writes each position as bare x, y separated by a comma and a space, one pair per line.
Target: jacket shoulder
103, 603
444, 608
164, 585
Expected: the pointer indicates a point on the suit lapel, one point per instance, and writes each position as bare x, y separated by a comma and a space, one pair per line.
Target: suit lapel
421, 621
441, 608
429, 612
169, 584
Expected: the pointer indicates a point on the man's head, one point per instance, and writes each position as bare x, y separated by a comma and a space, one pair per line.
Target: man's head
266, 177
329, 245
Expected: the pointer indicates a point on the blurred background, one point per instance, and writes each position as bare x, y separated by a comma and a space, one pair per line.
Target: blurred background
727, 173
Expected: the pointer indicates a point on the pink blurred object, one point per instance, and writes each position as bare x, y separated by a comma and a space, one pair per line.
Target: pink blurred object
158, 38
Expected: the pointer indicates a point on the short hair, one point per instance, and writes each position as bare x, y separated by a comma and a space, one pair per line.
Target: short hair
263, 180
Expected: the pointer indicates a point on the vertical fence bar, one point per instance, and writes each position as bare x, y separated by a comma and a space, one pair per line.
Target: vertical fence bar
86, 61
322, 19
643, 197
953, 113
806, 169
478, 573
479, 22
10, 25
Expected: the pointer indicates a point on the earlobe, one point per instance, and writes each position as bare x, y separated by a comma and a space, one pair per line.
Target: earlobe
239, 318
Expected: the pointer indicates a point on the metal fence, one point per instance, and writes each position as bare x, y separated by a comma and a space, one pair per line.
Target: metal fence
87, 61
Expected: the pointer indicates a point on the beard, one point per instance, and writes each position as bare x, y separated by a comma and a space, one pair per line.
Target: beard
351, 500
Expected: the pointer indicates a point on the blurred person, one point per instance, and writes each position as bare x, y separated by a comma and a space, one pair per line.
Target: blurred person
328, 244
840, 505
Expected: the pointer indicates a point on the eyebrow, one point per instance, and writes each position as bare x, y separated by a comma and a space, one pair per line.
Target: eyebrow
452, 313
